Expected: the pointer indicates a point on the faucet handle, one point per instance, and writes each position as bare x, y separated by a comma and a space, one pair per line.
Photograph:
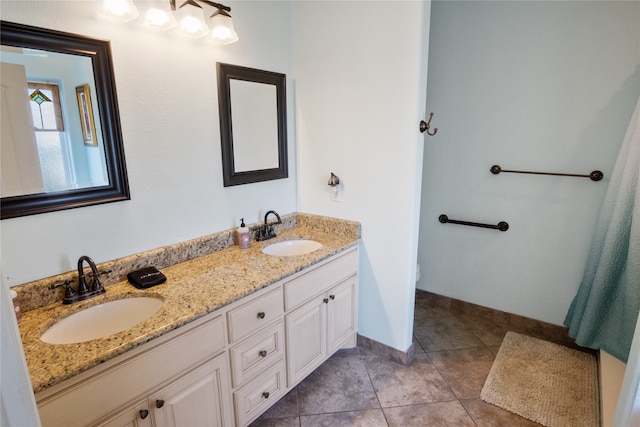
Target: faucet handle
99, 273
69, 293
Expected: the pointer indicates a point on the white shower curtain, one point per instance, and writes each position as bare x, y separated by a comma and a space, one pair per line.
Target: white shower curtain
603, 314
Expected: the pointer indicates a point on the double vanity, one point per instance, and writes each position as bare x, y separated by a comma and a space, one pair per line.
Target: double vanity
230, 332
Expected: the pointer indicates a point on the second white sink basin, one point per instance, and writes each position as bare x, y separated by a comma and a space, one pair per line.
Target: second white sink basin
292, 247
102, 320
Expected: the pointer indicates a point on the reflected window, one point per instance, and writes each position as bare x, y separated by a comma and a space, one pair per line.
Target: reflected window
51, 140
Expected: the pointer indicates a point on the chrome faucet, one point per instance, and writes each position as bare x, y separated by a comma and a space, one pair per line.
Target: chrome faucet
84, 291
267, 232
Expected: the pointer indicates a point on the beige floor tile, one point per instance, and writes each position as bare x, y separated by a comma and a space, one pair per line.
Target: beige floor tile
369, 418
396, 384
444, 333
441, 414
340, 384
276, 422
287, 406
464, 370
486, 330
487, 415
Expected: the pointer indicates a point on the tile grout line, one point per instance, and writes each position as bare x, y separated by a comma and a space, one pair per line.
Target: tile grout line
386, 420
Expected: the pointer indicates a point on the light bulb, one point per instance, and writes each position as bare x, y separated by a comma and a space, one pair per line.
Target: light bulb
222, 30
191, 22
121, 10
159, 19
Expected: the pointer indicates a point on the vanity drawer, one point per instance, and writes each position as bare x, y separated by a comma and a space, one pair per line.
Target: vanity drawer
320, 279
258, 395
257, 313
254, 354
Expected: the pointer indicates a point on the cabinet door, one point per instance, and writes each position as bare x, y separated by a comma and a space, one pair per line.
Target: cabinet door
201, 398
137, 415
306, 334
341, 314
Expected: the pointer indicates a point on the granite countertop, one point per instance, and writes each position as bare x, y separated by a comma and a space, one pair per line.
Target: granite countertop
193, 289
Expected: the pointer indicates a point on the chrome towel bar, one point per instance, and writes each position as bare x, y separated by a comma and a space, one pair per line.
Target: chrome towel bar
502, 225
594, 176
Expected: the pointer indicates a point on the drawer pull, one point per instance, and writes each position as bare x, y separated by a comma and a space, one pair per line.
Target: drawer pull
261, 315
263, 353
326, 300
265, 394
159, 403
144, 413
332, 296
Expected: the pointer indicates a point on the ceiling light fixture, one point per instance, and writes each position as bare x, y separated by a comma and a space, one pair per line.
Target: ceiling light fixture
187, 18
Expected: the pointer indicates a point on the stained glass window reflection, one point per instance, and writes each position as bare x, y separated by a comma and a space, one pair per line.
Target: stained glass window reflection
47, 120
45, 107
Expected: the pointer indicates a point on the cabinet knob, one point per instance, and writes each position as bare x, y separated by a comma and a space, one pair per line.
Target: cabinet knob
263, 353
265, 394
159, 403
144, 413
326, 300
332, 297
261, 315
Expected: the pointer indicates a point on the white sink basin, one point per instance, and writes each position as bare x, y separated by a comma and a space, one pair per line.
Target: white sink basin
102, 320
292, 247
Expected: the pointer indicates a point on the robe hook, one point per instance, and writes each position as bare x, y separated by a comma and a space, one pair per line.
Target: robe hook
425, 126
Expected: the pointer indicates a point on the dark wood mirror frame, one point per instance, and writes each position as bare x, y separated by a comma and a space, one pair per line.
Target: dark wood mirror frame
226, 73
99, 51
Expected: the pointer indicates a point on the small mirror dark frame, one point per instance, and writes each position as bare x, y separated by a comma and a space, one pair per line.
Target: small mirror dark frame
99, 51
226, 73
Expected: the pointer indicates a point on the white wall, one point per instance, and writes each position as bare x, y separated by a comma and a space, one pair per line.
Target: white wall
360, 84
542, 86
167, 95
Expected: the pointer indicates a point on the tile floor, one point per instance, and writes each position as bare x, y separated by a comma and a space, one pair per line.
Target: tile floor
454, 352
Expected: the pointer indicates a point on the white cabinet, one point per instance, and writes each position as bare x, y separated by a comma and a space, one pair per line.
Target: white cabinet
252, 355
137, 415
199, 398
319, 328
341, 315
123, 382
326, 320
257, 354
306, 339
259, 394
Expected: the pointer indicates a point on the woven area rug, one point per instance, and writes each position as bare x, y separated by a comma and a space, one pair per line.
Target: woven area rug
544, 382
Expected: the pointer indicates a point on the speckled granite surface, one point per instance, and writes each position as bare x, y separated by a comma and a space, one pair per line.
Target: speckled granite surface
203, 275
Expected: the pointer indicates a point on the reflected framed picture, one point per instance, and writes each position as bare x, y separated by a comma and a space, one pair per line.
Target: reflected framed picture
86, 115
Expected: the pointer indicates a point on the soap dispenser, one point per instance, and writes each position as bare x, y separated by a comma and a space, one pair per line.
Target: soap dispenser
243, 235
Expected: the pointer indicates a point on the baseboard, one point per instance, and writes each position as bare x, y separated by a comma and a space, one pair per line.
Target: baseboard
383, 350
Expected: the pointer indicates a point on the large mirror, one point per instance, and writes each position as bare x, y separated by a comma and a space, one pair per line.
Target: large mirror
253, 124
61, 140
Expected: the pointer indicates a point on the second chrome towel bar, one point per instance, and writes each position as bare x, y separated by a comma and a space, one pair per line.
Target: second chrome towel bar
502, 225
594, 176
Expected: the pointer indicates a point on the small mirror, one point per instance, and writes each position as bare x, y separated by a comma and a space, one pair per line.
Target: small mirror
61, 139
253, 124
